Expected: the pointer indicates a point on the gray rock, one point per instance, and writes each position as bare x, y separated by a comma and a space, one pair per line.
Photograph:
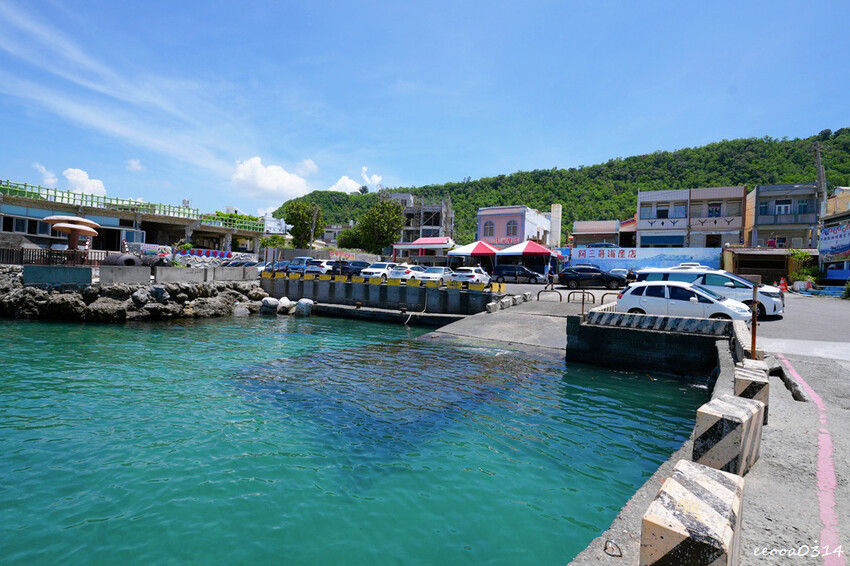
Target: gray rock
303, 307
241, 310
256, 293
64, 306
159, 294
269, 305
106, 309
141, 297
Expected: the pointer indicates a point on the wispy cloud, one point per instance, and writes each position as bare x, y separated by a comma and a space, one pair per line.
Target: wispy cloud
271, 183
134, 165
47, 177
374, 180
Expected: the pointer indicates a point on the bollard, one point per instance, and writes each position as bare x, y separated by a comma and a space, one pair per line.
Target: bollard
753, 384
694, 519
727, 435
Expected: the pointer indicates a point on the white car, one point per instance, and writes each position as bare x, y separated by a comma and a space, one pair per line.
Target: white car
318, 267
471, 275
406, 272
381, 269
675, 298
441, 274
771, 301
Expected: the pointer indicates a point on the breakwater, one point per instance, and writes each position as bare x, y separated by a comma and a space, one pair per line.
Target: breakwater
124, 302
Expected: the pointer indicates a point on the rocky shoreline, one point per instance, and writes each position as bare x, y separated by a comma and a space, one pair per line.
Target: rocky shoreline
122, 302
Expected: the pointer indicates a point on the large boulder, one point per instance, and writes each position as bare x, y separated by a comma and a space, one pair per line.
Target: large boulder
64, 306
269, 305
106, 309
256, 293
141, 297
303, 307
285, 306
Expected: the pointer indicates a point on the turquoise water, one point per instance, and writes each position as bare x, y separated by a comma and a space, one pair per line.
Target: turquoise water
312, 441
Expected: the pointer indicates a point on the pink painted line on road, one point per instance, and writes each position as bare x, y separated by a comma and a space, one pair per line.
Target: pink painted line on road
826, 475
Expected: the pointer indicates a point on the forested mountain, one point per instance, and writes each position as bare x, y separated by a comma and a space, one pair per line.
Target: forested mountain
608, 191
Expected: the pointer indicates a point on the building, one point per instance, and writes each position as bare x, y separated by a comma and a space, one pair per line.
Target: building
430, 251
834, 241
424, 218
596, 232
332, 231
24, 207
782, 216
503, 226
699, 218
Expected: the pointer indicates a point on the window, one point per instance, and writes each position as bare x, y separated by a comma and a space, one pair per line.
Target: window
783, 206
511, 229
20, 225
646, 211
680, 210
763, 207
684, 277
654, 277
696, 210
662, 211
733, 208
638, 292
714, 210
655, 291
488, 229
680, 294
803, 206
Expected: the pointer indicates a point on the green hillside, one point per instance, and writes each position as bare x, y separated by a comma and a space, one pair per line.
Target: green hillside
609, 190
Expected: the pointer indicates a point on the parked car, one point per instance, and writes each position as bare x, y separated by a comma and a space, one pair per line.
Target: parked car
298, 264
348, 267
441, 274
406, 272
586, 276
277, 266
516, 274
601, 245
380, 269
467, 275
318, 267
675, 298
771, 300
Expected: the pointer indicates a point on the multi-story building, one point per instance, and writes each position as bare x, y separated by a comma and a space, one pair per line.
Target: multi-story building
596, 232
425, 218
834, 241
504, 226
704, 217
782, 216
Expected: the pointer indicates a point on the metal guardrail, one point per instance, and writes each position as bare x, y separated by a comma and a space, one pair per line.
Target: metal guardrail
49, 195
22, 256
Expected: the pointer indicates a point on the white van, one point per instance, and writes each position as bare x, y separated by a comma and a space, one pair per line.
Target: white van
771, 300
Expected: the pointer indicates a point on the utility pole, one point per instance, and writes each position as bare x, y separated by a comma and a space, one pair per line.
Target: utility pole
313, 224
821, 189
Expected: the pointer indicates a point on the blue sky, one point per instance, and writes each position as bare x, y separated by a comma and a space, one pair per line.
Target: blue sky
248, 104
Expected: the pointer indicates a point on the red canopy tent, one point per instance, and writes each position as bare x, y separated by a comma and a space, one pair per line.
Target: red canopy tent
475, 249
527, 248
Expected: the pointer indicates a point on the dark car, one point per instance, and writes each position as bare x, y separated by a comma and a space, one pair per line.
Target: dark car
589, 276
602, 245
516, 274
348, 267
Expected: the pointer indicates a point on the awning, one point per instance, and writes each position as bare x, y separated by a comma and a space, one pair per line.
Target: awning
526, 248
475, 249
435, 243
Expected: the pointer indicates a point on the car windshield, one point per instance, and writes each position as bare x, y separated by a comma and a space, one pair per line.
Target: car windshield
434, 270
378, 266
741, 280
709, 292
463, 270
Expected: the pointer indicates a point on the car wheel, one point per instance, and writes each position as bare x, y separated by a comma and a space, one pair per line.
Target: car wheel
500, 279
442, 282
383, 278
762, 312
533, 280
572, 284
613, 284
720, 316
636, 311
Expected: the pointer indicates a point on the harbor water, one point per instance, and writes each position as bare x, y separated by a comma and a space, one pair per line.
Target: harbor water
313, 441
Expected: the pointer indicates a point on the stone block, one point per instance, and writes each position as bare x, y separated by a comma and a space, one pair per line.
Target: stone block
694, 519
506, 302
753, 384
727, 435
517, 299
759, 365
527, 296
493, 307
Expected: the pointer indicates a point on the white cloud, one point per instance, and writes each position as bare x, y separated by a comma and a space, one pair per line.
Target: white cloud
79, 182
374, 180
47, 177
306, 167
345, 184
267, 182
134, 165
263, 212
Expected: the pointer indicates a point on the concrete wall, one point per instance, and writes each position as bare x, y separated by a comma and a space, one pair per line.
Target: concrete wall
233, 274
391, 297
136, 275
180, 275
57, 275
635, 349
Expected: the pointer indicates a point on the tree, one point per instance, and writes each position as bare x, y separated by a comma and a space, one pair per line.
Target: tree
381, 225
306, 220
364, 189
349, 239
274, 241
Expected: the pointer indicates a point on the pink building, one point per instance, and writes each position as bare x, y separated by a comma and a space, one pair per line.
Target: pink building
504, 226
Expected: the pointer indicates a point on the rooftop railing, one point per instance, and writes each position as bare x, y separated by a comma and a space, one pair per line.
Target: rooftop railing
37, 192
